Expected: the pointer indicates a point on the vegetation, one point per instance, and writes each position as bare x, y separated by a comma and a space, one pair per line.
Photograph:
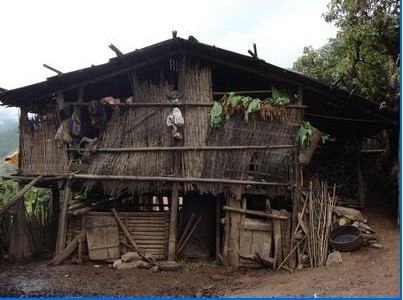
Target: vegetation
364, 57
233, 103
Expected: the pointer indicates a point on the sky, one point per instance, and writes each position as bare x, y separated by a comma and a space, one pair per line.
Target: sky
74, 34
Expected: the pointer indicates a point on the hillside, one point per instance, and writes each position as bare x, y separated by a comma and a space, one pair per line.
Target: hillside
8, 135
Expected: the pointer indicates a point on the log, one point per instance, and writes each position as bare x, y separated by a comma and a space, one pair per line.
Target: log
63, 254
350, 213
17, 196
254, 213
78, 205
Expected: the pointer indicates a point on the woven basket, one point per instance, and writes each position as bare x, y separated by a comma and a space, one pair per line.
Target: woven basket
306, 154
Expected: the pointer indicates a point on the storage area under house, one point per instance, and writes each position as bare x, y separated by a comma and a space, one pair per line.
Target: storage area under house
132, 150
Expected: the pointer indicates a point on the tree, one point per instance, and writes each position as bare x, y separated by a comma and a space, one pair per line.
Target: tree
364, 56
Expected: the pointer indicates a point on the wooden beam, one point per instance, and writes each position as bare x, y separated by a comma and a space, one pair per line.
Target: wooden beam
17, 196
53, 69
244, 92
124, 229
187, 148
64, 253
343, 119
254, 213
173, 222
63, 219
175, 179
55, 214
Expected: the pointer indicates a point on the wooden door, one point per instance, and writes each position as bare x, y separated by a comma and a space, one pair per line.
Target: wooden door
102, 237
255, 239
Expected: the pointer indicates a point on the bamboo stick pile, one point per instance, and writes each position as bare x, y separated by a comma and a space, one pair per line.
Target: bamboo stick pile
314, 225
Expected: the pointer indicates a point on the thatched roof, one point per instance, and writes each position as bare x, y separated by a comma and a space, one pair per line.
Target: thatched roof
321, 98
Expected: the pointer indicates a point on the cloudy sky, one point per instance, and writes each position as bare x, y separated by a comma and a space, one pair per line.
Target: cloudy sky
73, 34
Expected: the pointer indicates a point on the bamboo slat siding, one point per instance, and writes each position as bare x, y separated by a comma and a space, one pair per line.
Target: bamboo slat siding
148, 229
39, 151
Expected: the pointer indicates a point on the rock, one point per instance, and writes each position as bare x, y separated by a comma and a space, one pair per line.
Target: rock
343, 221
120, 265
349, 213
169, 265
144, 265
376, 245
334, 258
130, 256
155, 269
97, 266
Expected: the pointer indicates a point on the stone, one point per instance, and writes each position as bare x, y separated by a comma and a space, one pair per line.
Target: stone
376, 245
120, 265
155, 269
130, 256
144, 265
334, 258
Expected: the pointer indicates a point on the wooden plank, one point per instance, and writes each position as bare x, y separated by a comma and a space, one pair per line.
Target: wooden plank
64, 253
124, 229
256, 226
277, 239
102, 238
253, 213
234, 232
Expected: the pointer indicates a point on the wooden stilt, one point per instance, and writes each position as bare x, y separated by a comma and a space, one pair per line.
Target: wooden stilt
62, 230
217, 229
173, 224
360, 178
235, 218
55, 215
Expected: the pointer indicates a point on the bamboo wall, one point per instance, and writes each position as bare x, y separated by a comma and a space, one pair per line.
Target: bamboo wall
148, 229
40, 153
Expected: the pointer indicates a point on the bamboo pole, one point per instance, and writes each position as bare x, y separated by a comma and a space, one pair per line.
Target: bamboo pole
186, 148
174, 179
189, 235
17, 196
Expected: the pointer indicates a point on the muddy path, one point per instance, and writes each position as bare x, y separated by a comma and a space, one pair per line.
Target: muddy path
366, 272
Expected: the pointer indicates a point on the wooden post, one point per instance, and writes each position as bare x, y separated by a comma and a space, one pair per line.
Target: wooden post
55, 214
233, 255
62, 230
20, 243
217, 229
298, 181
359, 175
173, 223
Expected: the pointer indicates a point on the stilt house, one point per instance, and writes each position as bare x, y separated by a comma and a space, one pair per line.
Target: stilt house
136, 138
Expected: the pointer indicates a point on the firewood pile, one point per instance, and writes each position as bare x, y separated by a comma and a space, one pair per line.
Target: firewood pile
318, 214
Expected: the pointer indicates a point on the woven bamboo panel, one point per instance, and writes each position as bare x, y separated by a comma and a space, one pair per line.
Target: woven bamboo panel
149, 230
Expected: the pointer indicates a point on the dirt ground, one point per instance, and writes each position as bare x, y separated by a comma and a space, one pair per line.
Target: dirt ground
365, 272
